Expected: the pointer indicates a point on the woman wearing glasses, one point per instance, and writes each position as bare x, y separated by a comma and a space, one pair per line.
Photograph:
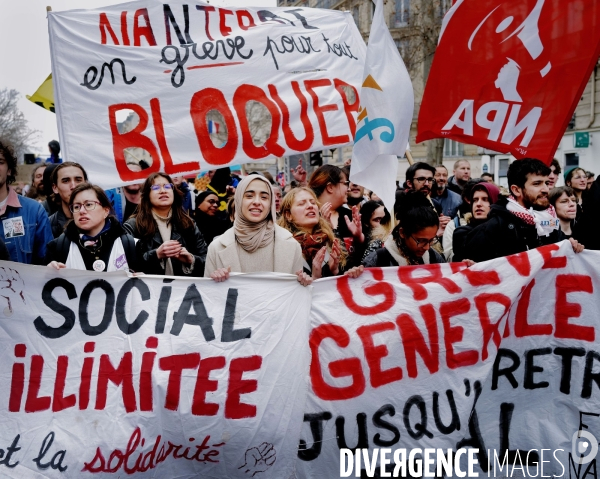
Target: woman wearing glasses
208, 218
94, 240
169, 241
412, 239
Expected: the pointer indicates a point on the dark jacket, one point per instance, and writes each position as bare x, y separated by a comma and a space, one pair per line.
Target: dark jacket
211, 226
448, 202
190, 238
454, 186
58, 220
184, 187
504, 234
587, 228
58, 248
382, 258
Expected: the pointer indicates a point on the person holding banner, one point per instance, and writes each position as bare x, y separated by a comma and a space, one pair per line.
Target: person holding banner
321, 251
481, 198
94, 240
255, 243
564, 202
169, 240
523, 222
412, 239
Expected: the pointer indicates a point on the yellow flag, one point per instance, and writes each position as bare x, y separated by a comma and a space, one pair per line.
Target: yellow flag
44, 96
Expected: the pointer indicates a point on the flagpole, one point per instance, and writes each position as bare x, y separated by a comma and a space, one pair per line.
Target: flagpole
409, 157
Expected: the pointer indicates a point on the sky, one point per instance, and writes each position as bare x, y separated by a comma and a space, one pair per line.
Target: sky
25, 52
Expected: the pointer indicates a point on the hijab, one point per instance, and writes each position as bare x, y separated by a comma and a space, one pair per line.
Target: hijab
249, 235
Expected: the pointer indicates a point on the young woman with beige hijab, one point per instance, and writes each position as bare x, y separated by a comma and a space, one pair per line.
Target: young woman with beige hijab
255, 243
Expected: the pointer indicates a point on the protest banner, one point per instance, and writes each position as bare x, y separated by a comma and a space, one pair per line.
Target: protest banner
175, 64
508, 75
110, 376
401, 356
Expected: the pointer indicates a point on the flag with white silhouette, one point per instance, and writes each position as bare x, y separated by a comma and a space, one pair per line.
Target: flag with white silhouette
385, 114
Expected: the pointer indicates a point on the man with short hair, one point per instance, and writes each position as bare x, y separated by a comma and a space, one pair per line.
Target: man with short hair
125, 199
461, 174
65, 178
447, 201
355, 195
25, 226
524, 221
555, 172
420, 177
488, 177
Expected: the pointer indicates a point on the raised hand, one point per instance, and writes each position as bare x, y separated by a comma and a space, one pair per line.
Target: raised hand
299, 173
355, 226
334, 257
317, 263
326, 211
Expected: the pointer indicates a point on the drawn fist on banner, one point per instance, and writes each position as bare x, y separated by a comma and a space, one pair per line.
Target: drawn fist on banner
11, 287
259, 459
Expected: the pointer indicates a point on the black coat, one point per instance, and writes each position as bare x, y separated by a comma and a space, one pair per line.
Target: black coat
190, 238
587, 229
58, 248
382, 258
504, 234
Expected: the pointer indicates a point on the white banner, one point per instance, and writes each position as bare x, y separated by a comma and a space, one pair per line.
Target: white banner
109, 376
175, 65
400, 358
112, 376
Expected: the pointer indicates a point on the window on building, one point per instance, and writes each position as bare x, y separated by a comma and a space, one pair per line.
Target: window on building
572, 159
453, 148
401, 15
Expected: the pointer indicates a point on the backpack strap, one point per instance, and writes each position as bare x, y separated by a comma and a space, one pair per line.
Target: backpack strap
129, 248
63, 245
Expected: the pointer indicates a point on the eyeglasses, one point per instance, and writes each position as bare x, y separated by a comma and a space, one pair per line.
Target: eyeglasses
347, 183
165, 186
423, 242
88, 206
422, 179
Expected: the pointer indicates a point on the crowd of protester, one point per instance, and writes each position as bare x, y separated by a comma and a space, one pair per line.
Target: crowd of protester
313, 228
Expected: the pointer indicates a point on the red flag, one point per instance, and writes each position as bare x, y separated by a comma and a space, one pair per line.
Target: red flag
508, 75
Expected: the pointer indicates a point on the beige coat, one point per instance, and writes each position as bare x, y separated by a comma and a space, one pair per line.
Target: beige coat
222, 252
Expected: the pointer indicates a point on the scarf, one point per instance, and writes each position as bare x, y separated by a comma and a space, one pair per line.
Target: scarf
545, 222
310, 244
164, 228
91, 242
248, 234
